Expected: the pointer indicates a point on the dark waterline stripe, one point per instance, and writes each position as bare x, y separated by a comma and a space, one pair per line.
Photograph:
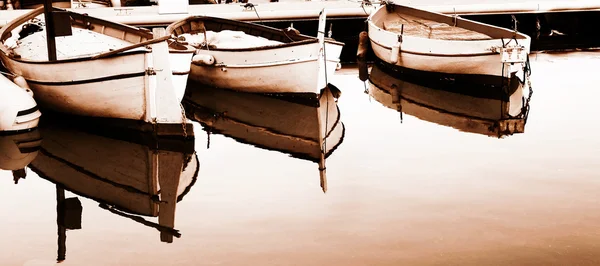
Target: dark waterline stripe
78, 82
28, 111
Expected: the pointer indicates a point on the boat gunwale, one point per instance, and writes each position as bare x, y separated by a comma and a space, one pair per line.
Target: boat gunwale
482, 53
303, 39
6, 32
265, 64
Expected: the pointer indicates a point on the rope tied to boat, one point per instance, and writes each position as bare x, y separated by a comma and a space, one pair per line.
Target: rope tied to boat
454, 17
251, 6
183, 121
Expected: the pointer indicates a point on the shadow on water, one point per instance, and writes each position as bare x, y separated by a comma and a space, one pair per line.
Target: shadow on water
488, 110
125, 175
305, 128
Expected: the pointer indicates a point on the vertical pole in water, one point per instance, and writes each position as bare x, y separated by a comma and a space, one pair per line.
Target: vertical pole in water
62, 231
51, 42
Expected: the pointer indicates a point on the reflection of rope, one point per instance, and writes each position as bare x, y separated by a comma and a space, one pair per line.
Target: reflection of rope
251, 6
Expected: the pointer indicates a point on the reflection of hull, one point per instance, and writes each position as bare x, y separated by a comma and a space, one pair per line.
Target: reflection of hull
18, 150
493, 113
112, 171
123, 175
269, 122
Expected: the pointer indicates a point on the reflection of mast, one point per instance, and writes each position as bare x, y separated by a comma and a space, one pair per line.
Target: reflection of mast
68, 216
62, 231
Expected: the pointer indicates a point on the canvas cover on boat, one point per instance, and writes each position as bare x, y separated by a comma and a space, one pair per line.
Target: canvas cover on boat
227, 39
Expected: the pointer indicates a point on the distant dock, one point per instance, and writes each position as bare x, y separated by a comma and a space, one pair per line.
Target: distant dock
553, 25
299, 10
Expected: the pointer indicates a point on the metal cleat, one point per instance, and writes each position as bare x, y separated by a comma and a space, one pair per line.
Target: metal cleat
513, 54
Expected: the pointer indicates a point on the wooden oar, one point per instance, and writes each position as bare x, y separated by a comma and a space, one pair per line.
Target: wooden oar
148, 42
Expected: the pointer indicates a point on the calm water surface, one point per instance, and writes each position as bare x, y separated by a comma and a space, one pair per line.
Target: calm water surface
410, 193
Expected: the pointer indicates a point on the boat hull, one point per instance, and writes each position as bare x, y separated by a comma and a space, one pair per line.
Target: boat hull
89, 87
295, 69
482, 58
20, 111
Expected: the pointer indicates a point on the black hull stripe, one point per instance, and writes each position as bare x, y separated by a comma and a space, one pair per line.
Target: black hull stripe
181, 73
91, 175
30, 149
81, 59
78, 82
28, 111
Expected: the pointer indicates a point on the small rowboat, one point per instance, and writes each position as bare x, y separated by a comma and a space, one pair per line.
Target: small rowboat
309, 130
103, 69
469, 109
249, 57
420, 42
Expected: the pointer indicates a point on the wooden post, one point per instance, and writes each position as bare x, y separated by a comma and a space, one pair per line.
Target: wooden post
51, 42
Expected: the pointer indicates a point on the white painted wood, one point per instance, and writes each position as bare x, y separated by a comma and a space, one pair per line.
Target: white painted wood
166, 101
444, 56
173, 6
288, 69
12, 100
112, 87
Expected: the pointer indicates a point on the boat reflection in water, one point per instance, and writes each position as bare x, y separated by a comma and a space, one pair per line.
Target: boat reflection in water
304, 127
469, 108
125, 176
18, 150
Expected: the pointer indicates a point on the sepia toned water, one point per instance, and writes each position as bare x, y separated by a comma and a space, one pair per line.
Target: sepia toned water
410, 193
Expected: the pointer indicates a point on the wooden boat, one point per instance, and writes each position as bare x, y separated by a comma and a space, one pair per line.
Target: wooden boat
128, 178
468, 109
103, 69
249, 57
18, 150
306, 130
18, 111
429, 44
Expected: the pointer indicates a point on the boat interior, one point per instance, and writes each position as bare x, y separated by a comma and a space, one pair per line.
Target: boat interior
25, 37
424, 24
202, 24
